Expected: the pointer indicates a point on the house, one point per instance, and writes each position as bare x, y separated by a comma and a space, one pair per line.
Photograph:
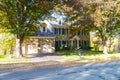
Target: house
55, 36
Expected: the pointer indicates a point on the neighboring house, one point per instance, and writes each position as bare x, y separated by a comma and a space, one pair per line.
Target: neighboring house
55, 36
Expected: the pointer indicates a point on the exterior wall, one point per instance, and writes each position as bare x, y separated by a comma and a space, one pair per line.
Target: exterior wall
38, 45
65, 39
84, 38
30, 46
61, 33
46, 45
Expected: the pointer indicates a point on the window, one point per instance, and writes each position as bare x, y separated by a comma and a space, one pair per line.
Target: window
55, 30
44, 29
79, 33
59, 30
79, 43
63, 31
59, 43
85, 43
64, 43
60, 22
82, 42
56, 45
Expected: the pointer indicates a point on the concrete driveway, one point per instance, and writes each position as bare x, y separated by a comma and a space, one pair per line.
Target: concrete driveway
36, 58
90, 71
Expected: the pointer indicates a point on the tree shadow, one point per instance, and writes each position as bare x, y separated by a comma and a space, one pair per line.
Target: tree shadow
40, 55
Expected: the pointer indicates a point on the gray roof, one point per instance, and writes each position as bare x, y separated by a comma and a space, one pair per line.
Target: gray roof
44, 34
58, 25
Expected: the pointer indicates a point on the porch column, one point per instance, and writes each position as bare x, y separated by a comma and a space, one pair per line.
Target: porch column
77, 43
71, 42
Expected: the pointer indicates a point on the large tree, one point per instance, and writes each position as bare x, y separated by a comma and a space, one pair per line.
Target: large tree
106, 20
23, 17
78, 16
98, 15
7, 41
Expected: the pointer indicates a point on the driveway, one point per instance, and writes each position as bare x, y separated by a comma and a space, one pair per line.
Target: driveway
36, 58
89, 71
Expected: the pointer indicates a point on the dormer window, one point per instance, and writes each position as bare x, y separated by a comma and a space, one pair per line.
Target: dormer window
60, 22
44, 29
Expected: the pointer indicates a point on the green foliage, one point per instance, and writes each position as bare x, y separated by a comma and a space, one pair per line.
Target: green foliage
3, 56
106, 18
78, 15
99, 15
23, 16
6, 41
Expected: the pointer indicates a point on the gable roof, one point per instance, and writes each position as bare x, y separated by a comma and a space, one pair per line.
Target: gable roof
74, 37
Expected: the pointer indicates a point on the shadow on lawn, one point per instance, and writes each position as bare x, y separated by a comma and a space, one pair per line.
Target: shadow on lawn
83, 52
41, 55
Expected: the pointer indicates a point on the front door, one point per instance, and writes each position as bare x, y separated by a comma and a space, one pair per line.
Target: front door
75, 43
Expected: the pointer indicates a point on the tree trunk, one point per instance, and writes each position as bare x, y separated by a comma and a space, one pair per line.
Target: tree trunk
105, 48
104, 41
18, 47
116, 45
5, 52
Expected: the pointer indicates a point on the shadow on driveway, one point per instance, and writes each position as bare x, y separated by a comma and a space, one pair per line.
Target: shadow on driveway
41, 55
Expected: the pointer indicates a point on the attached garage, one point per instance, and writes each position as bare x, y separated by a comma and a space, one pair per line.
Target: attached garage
40, 42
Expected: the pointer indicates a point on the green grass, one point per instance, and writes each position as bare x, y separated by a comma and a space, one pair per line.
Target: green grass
6, 59
72, 55
101, 57
3, 56
90, 55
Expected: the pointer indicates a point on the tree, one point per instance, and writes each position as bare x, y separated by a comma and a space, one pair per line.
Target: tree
7, 41
106, 18
3, 22
23, 17
78, 16
101, 16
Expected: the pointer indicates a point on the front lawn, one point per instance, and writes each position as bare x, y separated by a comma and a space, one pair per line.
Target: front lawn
3, 56
5, 59
90, 55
